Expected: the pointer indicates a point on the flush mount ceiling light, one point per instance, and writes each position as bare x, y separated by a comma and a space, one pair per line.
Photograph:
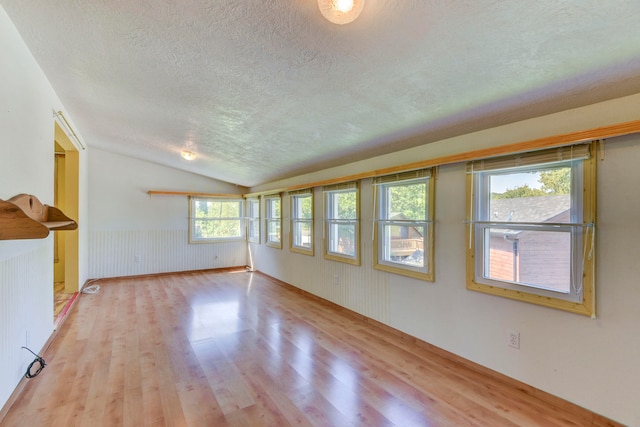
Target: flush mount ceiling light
340, 11
188, 155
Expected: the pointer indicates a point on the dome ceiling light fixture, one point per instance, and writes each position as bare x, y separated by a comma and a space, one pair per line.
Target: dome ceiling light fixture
188, 155
340, 11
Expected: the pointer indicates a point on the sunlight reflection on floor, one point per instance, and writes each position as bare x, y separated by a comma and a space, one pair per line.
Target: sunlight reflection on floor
209, 320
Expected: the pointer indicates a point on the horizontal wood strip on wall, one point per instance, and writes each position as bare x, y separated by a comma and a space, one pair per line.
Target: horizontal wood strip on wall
189, 193
603, 132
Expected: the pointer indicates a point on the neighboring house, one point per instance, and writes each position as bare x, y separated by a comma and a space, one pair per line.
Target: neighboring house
405, 241
532, 257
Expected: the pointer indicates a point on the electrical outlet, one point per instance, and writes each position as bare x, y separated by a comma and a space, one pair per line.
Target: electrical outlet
136, 258
336, 279
513, 339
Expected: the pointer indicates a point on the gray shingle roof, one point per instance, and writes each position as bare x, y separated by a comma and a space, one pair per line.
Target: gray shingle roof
529, 209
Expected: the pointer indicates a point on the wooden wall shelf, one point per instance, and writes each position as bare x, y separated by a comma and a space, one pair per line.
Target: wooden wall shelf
24, 217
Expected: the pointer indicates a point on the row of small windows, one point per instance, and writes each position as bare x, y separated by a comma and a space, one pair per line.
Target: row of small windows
531, 225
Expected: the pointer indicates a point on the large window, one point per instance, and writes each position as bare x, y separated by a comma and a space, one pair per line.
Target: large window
404, 231
531, 234
213, 219
302, 222
253, 220
273, 220
341, 223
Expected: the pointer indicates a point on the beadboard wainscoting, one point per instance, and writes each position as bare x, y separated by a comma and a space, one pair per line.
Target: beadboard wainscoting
358, 288
25, 281
136, 252
361, 289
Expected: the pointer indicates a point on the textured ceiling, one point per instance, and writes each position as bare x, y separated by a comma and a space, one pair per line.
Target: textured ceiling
262, 90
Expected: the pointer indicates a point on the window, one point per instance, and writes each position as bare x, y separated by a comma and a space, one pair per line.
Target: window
404, 230
301, 239
213, 219
341, 224
273, 221
253, 220
531, 234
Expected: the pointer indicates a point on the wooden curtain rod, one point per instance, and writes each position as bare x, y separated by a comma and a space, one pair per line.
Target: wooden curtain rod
189, 193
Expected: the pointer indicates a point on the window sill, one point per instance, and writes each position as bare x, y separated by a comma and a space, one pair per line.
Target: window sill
586, 308
429, 277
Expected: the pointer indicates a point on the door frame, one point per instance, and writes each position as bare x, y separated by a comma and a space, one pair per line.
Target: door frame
70, 205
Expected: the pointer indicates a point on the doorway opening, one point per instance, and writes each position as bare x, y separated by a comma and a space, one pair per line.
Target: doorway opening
65, 197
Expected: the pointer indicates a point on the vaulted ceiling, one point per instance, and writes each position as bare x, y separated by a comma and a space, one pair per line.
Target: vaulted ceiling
263, 90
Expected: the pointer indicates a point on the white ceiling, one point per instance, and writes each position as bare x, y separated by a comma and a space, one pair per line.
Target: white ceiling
263, 90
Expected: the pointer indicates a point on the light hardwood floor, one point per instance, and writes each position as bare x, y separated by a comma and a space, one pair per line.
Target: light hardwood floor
240, 349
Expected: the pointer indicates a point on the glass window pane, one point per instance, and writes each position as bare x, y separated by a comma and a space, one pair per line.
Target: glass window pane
544, 212
273, 220
254, 229
273, 231
344, 205
302, 217
407, 202
254, 209
302, 234
302, 208
212, 229
343, 239
404, 244
539, 259
540, 195
273, 208
217, 209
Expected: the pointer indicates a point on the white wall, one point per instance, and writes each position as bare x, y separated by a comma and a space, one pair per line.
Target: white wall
134, 233
26, 166
591, 362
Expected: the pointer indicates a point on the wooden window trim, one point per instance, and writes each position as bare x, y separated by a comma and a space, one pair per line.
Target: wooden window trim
587, 306
429, 275
293, 220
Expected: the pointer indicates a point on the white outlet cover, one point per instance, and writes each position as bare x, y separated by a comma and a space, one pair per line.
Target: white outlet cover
513, 339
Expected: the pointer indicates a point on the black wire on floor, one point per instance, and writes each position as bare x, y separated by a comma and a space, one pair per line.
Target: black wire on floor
39, 368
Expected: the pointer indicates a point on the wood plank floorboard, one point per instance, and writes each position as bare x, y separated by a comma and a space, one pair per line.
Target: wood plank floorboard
238, 349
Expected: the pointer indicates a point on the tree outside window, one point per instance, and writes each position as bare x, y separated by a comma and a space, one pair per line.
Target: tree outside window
214, 219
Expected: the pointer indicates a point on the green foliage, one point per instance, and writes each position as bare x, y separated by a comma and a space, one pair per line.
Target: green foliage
306, 204
302, 207
216, 229
301, 216
217, 209
273, 208
553, 182
346, 204
556, 181
409, 200
217, 219
342, 205
517, 192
